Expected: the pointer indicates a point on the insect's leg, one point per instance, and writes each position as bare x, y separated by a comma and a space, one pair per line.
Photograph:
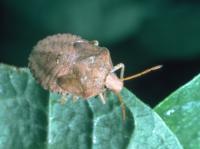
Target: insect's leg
63, 99
117, 67
104, 93
75, 98
122, 106
102, 98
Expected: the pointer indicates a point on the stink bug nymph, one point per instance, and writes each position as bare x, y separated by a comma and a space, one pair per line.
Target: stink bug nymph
68, 64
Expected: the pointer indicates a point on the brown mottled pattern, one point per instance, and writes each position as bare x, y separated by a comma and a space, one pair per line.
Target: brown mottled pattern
67, 63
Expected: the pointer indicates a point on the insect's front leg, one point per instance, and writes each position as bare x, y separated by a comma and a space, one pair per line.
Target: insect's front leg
117, 67
101, 96
75, 98
63, 99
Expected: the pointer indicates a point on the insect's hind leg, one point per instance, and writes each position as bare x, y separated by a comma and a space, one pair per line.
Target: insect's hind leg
117, 67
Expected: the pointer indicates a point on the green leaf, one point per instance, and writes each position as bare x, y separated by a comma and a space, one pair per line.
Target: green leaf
31, 118
23, 110
181, 112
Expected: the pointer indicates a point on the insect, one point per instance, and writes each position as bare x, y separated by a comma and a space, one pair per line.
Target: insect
68, 64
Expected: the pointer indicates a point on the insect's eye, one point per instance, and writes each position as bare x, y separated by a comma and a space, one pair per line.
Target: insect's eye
79, 44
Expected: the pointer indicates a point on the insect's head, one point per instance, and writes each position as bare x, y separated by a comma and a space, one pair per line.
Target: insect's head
114, 83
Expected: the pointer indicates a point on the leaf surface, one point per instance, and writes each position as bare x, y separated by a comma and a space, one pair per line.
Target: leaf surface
181, 112
32, 118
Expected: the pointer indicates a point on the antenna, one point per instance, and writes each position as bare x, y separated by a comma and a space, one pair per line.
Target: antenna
142, 73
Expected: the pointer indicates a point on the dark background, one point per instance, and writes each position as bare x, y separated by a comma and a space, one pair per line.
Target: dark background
139, 33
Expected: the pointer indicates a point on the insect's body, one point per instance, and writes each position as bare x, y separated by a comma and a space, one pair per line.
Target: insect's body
67, 63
